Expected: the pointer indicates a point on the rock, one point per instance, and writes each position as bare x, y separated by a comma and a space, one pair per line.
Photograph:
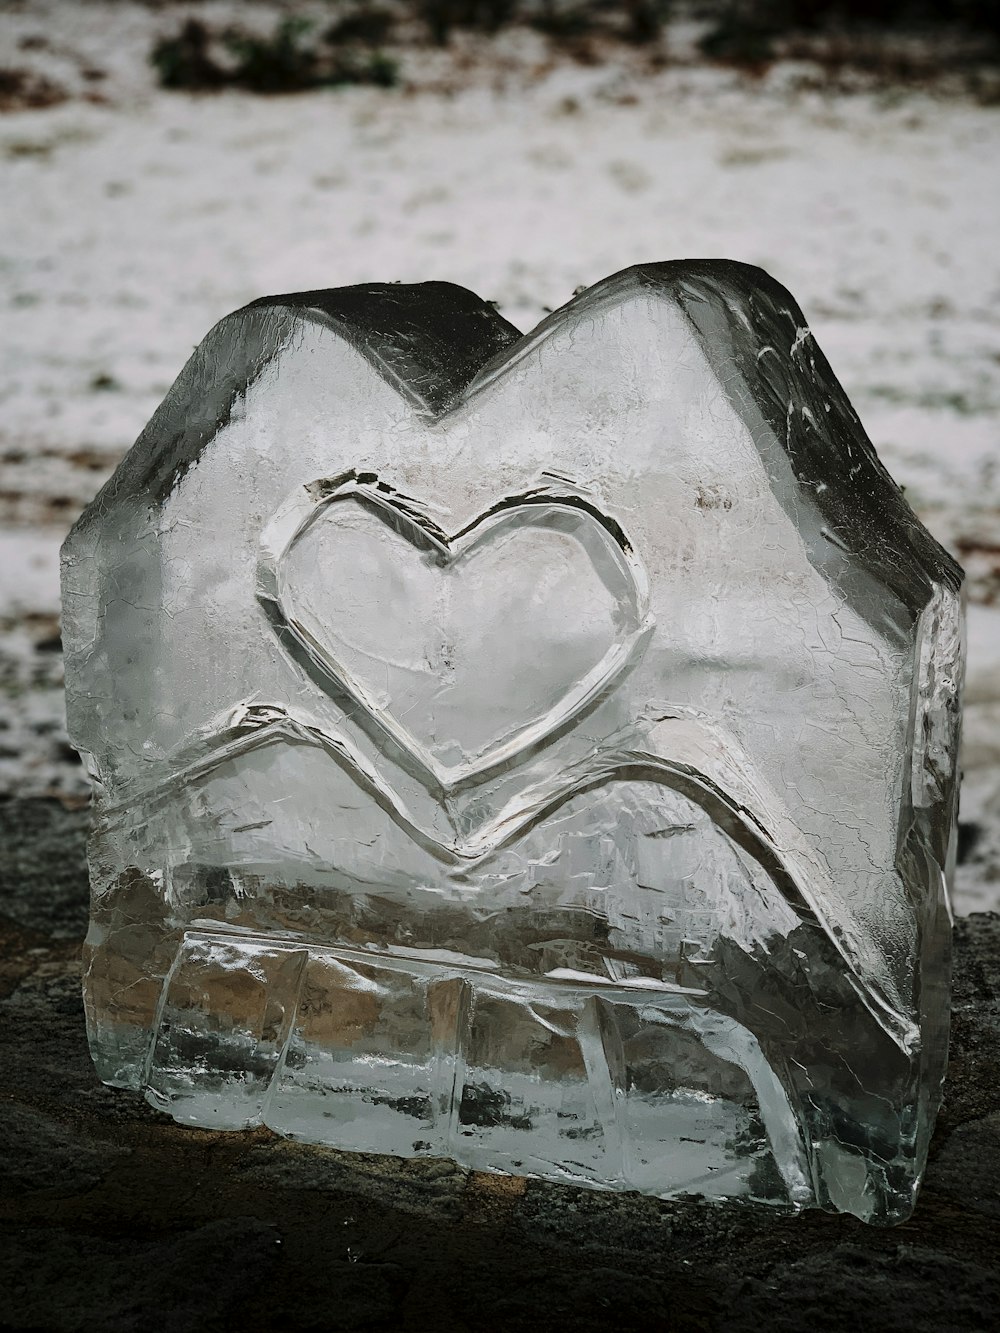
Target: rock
61, 1278
43, 867
42, 1153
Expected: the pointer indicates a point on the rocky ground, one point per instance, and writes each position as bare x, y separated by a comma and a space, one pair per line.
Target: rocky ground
521, 167
114, 1219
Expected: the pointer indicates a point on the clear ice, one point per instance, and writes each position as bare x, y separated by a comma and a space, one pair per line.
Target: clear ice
534, 750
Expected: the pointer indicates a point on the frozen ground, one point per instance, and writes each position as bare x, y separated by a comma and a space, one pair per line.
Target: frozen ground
135, 218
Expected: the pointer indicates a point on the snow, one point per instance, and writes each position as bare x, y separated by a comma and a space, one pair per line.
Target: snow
133, 224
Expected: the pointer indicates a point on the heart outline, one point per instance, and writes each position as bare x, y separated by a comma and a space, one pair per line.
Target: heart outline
309, 503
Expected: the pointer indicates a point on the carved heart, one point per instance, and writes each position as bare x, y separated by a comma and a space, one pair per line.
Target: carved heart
467, 648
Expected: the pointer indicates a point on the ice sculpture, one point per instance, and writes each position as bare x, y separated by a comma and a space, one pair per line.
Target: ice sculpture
539, 751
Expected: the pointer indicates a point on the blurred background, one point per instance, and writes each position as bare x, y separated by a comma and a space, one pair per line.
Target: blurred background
162, 164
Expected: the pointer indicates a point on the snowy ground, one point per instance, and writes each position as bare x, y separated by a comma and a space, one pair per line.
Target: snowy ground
136, 218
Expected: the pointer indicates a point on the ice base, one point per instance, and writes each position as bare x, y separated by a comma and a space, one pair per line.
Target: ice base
627, 1087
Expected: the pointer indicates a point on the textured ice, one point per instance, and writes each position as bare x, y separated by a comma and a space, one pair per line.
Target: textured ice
539, 751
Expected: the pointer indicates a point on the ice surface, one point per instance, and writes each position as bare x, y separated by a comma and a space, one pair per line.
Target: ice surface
539, 751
